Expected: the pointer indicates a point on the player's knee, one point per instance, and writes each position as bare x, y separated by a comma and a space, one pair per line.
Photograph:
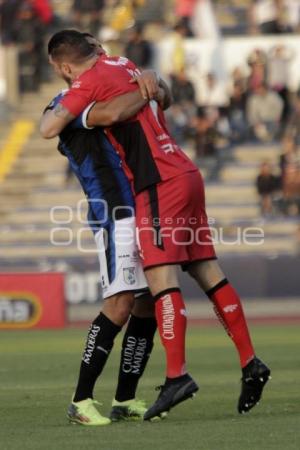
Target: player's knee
144, 306
118, 308
207, 273
123, 311
161, 278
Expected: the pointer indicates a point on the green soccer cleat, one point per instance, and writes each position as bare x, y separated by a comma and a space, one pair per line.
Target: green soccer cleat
129, 410
85, 413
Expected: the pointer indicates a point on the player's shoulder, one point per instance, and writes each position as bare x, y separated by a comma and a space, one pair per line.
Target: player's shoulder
114, 61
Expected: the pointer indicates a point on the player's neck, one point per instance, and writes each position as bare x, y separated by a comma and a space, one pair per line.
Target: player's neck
81, 68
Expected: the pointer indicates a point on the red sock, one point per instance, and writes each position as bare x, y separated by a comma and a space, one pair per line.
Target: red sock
171, 320
228, 308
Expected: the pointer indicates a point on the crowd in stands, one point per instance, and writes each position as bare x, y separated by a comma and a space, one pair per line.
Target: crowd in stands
254, 105
25, 23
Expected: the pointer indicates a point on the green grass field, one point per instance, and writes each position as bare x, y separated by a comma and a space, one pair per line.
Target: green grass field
38, 371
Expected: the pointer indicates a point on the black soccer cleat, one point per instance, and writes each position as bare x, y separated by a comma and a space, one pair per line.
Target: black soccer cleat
174, 391
255, 375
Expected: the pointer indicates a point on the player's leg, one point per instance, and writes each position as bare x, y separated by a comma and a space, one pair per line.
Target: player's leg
207, 272
229, 310
129, 275
161, 256
99, 343
136, 349
170, 315
227, 305
120, 277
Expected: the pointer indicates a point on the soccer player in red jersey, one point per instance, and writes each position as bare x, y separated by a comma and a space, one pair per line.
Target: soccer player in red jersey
170, 212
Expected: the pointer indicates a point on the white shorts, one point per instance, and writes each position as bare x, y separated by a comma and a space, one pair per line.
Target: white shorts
120, 266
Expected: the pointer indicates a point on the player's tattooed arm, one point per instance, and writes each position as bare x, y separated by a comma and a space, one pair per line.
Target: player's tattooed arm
54, 121
116, 110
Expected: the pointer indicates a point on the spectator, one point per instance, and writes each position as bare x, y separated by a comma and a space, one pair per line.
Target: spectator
237, 113
213, 93
25, 23
291, 189
178, 123
9, 10
138, 49
289, 15
263, 17
293, 123
257, 56
210, 142
184, 108
182, 88
257, 62
279, 59
29, 37
264, 109
88, 12
289, 154
43, 11
238, 78
205, 135
184, 9
266, 185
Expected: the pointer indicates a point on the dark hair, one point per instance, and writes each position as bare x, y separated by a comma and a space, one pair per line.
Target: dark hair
85, 34
70, 45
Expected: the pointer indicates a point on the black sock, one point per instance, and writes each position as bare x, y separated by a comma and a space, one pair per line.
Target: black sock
136, 349
100, 340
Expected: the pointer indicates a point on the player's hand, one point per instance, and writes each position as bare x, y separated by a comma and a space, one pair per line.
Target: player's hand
148, 82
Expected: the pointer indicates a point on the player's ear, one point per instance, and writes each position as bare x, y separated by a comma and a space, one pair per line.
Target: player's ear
66, 69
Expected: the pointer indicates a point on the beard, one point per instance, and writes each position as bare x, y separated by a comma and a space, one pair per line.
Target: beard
67, 79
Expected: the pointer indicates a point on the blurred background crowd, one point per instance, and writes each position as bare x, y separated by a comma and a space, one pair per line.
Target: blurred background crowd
233, 70
254, 104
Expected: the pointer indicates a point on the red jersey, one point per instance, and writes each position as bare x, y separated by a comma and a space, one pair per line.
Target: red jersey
143, 142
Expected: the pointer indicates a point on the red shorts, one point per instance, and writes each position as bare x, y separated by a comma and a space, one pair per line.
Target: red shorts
172, 222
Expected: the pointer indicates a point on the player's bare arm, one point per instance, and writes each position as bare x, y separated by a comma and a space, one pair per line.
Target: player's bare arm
121, 108
117, 110
54, 121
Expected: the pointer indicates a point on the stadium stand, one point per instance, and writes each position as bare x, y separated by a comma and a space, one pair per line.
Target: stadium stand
37, 183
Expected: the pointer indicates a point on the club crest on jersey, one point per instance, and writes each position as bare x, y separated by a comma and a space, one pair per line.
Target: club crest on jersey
129, 275
76, 84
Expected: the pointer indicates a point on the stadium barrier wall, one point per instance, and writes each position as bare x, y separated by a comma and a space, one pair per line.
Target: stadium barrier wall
30, 300
254, 276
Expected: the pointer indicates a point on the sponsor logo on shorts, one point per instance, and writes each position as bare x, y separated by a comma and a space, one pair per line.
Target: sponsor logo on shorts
129, 275
230, 308
168, 315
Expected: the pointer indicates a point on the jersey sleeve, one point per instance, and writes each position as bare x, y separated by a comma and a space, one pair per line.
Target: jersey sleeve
81, 120
54, 102
78, 97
